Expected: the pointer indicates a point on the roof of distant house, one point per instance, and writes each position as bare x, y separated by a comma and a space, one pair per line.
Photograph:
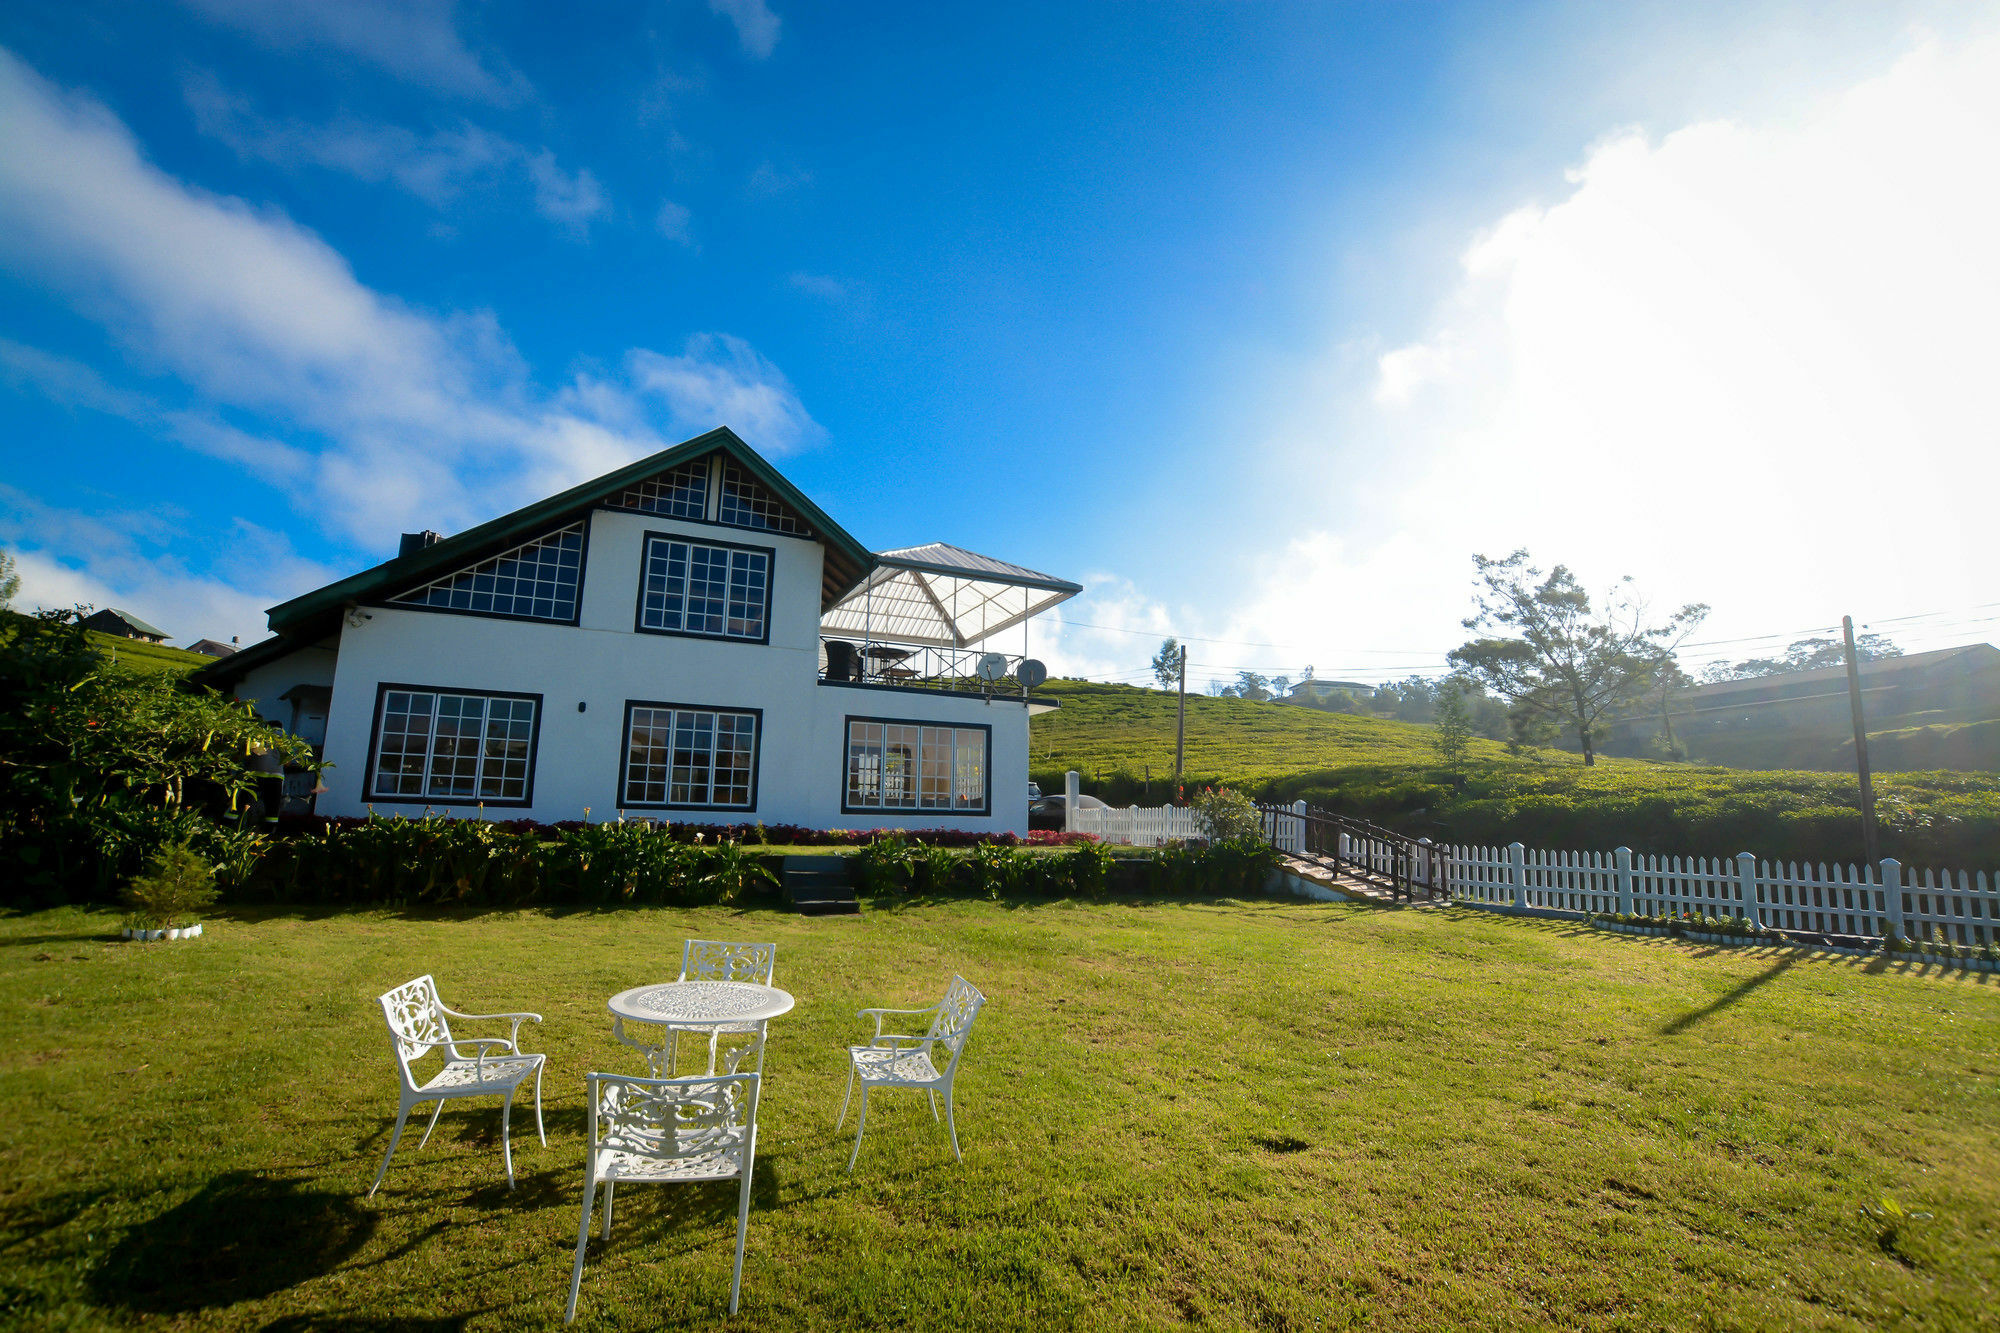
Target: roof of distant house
211, 647
135, 622
1880, 666
1317, 685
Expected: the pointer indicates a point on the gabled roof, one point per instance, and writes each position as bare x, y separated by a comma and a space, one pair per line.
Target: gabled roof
212, 647
944, 596
136, 623
1972, 654
847, 561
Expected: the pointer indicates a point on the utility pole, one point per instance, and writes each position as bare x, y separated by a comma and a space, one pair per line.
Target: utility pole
1870, 846
1180, 727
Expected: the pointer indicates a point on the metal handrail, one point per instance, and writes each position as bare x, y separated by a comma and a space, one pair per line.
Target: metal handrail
1371, 852
914, 667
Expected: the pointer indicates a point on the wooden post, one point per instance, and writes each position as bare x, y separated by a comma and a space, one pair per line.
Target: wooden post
1622, 858
1890, 871
1869, 844
1517, 875
1180, 728
1072, 791
1746, 880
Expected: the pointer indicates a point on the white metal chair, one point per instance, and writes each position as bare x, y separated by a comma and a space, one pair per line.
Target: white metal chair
667, 1131
909, 1062
719, 960
496, 1067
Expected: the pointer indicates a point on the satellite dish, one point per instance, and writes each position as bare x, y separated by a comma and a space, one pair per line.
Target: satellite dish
1031, 673
992, 666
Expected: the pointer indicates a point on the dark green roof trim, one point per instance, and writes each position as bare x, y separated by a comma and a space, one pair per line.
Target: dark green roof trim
302, 614
224, 672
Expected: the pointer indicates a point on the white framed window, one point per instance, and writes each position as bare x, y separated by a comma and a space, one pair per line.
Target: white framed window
683, 757
436, 745
746, 504
537, 580
680, 492
705, 588
896, 765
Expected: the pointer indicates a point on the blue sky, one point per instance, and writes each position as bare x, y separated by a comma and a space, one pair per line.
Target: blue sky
1259, 319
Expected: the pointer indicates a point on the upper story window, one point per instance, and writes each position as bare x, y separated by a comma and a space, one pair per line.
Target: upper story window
680, 492
746, 504
691, 587
538, 580
912, 766
452, 745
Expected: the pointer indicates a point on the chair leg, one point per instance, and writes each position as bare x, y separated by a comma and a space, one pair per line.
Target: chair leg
433, 1125
845, 1100
952, 1123
582, 1239
933, 1097
540, 1133
506, 1148
742, 1229
402, 1114
860, 1128
715, 1035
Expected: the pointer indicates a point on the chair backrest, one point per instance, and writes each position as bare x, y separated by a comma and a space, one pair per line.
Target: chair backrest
722, 960
953, 1024
416, 1022
668, 1119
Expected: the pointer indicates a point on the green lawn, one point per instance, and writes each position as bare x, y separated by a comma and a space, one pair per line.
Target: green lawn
1238, 1114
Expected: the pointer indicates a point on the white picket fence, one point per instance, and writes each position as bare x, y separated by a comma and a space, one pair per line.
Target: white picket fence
1839, 900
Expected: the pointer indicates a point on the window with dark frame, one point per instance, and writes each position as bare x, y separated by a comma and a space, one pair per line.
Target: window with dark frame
703, 757
746, 504
913, 766
680, 492
448, 745
687, 587
537, 580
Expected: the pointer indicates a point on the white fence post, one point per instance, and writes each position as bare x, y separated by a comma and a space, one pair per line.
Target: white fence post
1517, 875
1622, 859
1072, 789
1746, 879
1891, 876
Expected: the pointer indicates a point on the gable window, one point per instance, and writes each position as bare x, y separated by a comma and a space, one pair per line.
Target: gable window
690, 758
537, 580
680, 492
690, 587
453, 745
914, 766
746, 504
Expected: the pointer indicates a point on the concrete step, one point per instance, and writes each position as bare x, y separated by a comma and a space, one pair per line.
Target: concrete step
820, 886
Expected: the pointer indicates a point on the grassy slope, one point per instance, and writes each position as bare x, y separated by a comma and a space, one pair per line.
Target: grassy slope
1244, 1114
147, 656
1388, 771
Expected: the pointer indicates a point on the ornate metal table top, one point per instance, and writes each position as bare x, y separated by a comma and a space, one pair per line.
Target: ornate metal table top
694, 1003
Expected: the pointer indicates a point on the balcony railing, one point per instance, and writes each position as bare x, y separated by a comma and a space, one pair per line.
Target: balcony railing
913, 667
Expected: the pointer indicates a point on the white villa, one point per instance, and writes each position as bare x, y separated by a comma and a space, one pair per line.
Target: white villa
687, 638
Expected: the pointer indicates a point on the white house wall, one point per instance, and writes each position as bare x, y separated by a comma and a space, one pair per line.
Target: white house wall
586, 673
262, 685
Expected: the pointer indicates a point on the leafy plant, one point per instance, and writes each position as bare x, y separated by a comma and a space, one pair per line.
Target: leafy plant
176, 887
1890, 1218
1226, 816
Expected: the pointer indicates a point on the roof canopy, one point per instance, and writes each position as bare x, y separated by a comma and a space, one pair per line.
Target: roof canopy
942, 596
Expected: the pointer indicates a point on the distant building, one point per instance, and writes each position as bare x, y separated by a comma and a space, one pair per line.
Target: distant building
1318, 691
125, 625
213, 648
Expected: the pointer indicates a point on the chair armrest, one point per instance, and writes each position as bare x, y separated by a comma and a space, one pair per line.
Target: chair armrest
455, 1014
881, 1013
881, 1037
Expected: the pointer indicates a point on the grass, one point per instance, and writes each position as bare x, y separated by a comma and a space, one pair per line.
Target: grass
138, 655
1232, 1114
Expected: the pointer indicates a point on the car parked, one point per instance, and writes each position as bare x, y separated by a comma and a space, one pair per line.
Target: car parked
1050, 812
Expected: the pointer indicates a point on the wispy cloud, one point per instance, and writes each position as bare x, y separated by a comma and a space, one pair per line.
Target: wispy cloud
415, 40
819, 285
767, 180
674, 222
439, 167
756, 26
404, 417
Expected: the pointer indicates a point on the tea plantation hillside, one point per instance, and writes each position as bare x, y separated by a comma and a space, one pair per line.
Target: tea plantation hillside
1389, 771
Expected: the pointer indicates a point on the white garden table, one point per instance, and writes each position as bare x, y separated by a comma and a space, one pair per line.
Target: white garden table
734, 1006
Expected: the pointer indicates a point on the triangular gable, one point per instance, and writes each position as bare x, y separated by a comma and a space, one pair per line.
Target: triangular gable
678, 492
847, 561
715, 489
537, 580
744, 503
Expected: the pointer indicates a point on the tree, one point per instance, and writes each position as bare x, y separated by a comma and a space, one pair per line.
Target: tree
1454, 727
1554, 656
1280, 686
10, 582
1250, 685
1805, 655
1168, 663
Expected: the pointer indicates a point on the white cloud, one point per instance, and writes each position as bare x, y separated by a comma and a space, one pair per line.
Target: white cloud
415, 40
756, 26
440, 167
767, 180
819, 285
674, 222
397, 418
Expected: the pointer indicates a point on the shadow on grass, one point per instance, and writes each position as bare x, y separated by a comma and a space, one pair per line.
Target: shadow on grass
243, 1237
1768, 975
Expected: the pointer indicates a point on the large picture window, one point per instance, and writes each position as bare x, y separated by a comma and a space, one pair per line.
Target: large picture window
538, 580
915, 766
452, 745
682, 757
690, 587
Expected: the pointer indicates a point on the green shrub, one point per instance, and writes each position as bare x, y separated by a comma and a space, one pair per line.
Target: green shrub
177, 887
1224, 815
